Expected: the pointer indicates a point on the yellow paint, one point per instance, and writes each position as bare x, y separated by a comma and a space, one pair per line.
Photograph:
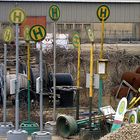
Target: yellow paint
8, 34
26, 33
78, 67
102, 39
91, 71
28, 60
131, 106
76, 40
17, 16
103, 12
37, 33
132, 101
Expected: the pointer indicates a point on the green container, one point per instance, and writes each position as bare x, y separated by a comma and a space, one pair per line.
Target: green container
30, 127
66, 126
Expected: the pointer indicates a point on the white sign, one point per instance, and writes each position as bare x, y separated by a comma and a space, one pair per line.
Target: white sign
101, 68
96, 81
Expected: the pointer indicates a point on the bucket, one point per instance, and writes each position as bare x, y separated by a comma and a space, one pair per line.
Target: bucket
50, 127
66, 126
41, 135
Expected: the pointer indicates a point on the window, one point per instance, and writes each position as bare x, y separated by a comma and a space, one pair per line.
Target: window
78, 26
69, 26
60, 27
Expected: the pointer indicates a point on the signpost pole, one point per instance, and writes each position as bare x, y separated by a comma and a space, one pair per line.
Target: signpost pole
76, 44
92, 38
29, 81
5, 82
102, 39
28, 125
41, 89
103, 13
5, 126
38, 33
54, 13
78, 82
54, 72
91, 86
17, 81
101, 57
17, 16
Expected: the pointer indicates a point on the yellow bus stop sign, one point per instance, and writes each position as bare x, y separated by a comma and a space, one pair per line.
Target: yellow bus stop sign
54, 12
90, 34
17, 16
37, 33
8, 34
76, 40
26, 33
103, 12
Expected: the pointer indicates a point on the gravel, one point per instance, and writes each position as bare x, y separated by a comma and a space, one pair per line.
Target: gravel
127, 132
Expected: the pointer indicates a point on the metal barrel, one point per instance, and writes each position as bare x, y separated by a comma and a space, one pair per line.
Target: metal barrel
66, 126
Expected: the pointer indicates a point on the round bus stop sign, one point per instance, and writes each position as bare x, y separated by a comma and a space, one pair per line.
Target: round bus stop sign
17, 16
103, 12
8, 34
26, 33
76, 40
54, 12
37, 33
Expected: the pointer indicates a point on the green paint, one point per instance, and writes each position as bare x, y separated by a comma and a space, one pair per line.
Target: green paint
103, 12
76, 40
17, 16
100, 94
121, 107
29, 103
54, 12
36, 33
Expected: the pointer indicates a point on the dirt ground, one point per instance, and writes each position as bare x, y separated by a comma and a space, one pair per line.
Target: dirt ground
122, 57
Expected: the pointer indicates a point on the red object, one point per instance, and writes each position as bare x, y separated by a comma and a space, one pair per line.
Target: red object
122, 93
130, 77
31, 21
138, 70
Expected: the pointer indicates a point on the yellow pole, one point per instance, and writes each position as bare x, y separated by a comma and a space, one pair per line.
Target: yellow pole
102, 39
28, 59
78, 66
138, 99
91, 71
29, 82
91, 86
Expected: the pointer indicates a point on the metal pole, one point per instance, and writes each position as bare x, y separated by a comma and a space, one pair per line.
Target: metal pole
100, 94
102, 39
5, 82
41, 89
91, 85
78, 83
78, 67
77, 105
17, 81
101, 56
28, 63
54, 73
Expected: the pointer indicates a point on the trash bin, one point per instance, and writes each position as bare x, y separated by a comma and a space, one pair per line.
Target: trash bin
66, 94
66, 98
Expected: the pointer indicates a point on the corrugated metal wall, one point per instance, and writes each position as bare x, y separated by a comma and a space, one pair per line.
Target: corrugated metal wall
75, 12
